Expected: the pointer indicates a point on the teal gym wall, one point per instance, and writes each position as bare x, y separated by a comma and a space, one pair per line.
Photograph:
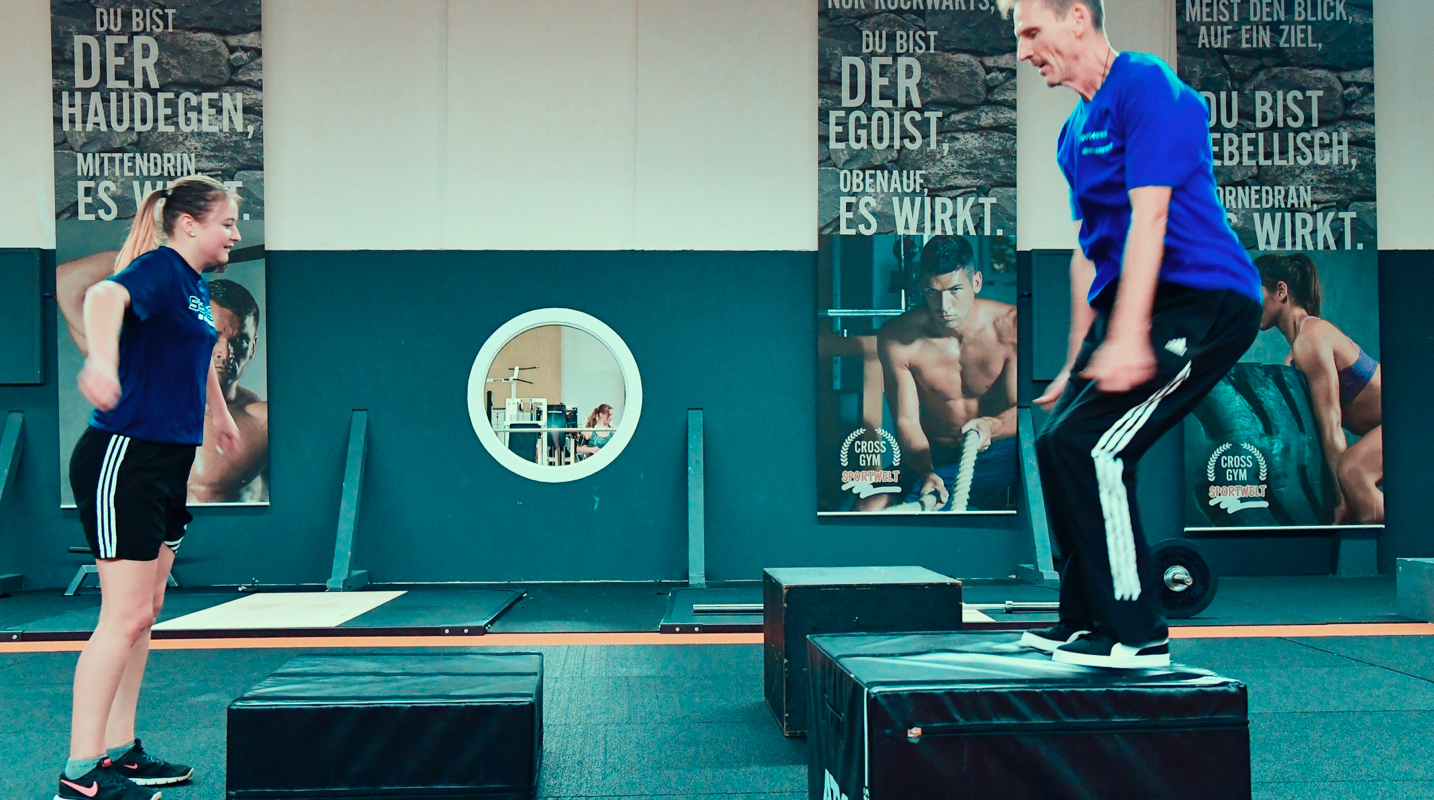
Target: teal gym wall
396, 333
361, 330
641, 140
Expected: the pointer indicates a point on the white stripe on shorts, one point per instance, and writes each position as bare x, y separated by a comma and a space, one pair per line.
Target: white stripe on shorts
105, 528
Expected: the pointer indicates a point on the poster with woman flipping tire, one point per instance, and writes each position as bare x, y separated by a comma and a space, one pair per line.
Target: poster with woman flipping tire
1293, 436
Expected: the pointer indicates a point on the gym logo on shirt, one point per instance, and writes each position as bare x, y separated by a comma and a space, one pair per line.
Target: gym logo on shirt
201, 310
1088, 149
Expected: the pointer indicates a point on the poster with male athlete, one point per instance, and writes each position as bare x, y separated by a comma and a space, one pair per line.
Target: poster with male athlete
916, 362
1293, 437
146, 94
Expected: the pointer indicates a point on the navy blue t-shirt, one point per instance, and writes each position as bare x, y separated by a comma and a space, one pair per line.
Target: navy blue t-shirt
1145, 127
165, 350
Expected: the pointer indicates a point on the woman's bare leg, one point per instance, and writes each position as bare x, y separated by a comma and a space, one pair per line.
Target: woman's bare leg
1361, 468
126, 614
120, 727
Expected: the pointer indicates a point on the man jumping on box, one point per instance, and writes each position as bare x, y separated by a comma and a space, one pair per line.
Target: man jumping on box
1164, 301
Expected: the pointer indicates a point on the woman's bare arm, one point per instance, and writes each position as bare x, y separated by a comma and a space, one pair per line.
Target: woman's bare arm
1314, 356
72, 280
104, 307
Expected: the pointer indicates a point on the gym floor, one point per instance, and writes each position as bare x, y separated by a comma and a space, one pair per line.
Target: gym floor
1347, 716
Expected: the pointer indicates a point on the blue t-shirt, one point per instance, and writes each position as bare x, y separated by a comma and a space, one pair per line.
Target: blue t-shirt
165, 350
1145, 127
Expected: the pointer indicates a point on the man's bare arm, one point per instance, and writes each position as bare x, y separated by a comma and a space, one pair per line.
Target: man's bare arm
998, 405
1082, 315
1126, 359
1002, 396
906, 410
905, 407
1140, 269
226, 433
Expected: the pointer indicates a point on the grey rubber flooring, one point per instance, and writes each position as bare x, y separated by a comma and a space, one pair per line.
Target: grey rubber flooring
1330, 718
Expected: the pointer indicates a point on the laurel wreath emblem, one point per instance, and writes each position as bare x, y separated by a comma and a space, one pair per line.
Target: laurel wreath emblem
1246, 446
1255, 451
895, 448
891, 440
1215, 459
846, 445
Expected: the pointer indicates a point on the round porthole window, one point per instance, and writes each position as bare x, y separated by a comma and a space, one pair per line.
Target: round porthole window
554, 395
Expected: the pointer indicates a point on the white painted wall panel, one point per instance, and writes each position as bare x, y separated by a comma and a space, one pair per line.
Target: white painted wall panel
1404, 103
726, 125
597, 124
1042, 197
542, 98
354, 130
1043, 211
27, 178
590, 375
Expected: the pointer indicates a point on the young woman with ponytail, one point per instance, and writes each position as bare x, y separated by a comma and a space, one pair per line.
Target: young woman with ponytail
149, 373
1345, 383
600, 431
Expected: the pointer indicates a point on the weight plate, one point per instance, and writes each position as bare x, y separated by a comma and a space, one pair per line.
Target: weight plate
1186, 601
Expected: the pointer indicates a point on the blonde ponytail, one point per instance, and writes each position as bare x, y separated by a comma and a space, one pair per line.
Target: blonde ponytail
143, 232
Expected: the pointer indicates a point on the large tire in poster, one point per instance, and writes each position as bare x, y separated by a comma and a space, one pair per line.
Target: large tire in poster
1262, 410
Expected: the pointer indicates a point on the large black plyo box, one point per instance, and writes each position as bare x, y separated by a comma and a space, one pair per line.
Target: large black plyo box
797, 603
975, 715
371, 726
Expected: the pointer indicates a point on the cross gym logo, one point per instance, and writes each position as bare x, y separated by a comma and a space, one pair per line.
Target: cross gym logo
871, 455
1231, 478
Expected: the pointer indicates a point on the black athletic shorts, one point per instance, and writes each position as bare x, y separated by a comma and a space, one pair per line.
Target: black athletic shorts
131, 494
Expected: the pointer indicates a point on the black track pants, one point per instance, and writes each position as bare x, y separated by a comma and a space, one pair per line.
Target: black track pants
1089, 447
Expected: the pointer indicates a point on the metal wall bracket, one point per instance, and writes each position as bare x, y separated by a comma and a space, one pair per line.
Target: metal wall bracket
344, 577
1043, 572
696, 503
11, 445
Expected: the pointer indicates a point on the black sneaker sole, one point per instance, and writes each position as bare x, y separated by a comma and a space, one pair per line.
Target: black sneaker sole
1031, 639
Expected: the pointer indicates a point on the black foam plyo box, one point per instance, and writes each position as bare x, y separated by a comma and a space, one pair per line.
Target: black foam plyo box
799, 602
975, 715
386, 725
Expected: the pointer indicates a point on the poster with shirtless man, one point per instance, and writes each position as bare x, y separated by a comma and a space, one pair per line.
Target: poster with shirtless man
144, 95
86, 256
916, 404
916, 172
